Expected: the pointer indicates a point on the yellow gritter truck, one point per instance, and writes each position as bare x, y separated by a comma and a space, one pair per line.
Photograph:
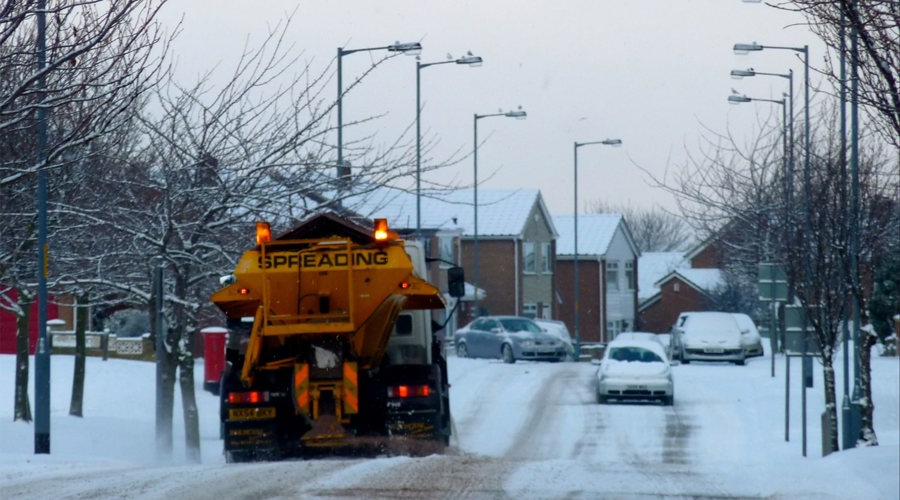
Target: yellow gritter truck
331, 345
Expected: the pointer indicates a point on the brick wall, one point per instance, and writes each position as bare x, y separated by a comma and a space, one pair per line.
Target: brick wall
677, 297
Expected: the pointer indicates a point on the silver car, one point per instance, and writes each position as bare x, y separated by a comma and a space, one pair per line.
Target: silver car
509, 338
635, 370
709, 336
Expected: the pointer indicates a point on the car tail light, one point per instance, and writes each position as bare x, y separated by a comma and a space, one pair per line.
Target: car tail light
249, 397
408, 391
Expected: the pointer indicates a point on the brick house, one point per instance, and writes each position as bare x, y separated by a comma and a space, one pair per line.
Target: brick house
607, 275
516, 244
676, 284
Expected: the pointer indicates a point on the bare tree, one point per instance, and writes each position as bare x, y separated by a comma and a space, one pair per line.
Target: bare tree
653, 229
877, 26
745, 196
100, 58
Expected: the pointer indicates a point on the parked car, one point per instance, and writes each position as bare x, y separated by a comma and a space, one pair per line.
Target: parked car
640, 336
559, 329
709, 336
509, 338
635, 370
750, 338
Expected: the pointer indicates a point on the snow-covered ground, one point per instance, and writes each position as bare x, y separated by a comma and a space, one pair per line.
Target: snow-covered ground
528, 430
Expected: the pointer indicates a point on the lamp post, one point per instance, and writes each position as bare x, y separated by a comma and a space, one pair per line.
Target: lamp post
575, 305
750, 72
518, 114
746, 48
468, 60
42, 353
738, 99
409, 48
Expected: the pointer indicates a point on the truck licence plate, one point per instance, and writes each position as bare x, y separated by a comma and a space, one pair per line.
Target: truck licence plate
251, 413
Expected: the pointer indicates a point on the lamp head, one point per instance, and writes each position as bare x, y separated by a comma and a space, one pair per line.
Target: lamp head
409, 48
518, 114
737, 99
737, 74
470, 60
612, 142
744, 48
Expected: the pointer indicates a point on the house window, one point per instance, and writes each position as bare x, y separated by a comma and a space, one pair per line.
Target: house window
547, 314
445, 244
629, 275
612, 275
528, 257
529, 310
614, 328
545, 257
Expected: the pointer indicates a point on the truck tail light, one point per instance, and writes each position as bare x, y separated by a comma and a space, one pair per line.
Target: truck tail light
408, 391
249, 397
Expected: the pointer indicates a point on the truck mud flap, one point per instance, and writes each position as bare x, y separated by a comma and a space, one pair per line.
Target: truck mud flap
249, 441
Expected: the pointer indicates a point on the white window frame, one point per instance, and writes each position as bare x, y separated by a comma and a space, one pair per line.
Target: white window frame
629, 275
546, 267
612, 276
528, 249
529, 310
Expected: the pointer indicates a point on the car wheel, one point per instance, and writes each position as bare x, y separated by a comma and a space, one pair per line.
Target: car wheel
507, 354
602, 399
740, 362
685, 360
668, 400
462, 351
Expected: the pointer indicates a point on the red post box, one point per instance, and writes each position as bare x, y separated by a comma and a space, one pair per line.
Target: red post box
213, 357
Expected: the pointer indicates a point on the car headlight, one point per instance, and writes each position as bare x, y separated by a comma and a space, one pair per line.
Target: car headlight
527, 343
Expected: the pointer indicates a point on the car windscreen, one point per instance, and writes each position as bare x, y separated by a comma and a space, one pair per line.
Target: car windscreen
634, 354
520, 325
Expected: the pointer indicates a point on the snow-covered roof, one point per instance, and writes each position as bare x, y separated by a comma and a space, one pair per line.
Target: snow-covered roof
654, 265
595, 233
501, 212
704, 280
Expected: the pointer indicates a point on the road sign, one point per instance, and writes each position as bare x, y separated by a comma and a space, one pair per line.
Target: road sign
772, 282
798, 330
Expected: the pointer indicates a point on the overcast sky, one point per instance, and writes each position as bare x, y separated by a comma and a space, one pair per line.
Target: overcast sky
649, 72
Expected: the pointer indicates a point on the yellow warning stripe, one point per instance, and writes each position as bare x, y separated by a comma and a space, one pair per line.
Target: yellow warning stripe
350, 393
301, 388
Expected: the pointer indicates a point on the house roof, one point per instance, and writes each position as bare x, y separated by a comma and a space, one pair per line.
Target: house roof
704, 280
654, 265
595, 233
501, 212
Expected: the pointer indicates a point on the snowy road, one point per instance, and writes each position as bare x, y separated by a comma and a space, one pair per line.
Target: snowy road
528, 430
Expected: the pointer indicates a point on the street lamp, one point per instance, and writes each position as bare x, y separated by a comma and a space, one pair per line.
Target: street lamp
409, 48
468, 60
750, 72
518, 114
746, 48
576, 312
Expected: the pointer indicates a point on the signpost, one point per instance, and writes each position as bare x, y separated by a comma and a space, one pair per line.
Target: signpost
798, 344
773, 287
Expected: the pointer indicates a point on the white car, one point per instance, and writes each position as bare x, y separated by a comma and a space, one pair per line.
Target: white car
749, 335
641, 336
709, 336
559, 329
635, 370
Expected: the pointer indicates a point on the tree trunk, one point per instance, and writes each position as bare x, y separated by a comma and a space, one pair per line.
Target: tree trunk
81, 321
186, 372
22, 409
867, 435
189, 402
830, 398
